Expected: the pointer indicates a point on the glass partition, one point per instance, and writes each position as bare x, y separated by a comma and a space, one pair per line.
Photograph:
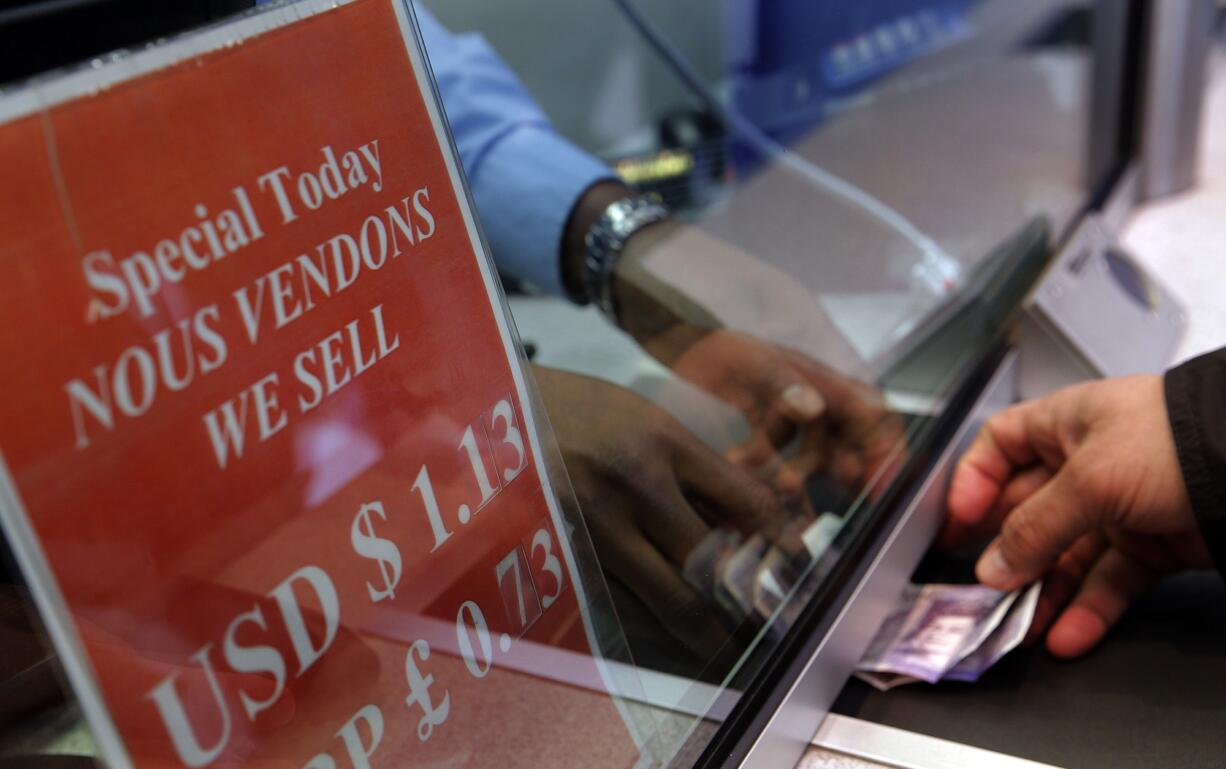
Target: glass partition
863, 194
841, 205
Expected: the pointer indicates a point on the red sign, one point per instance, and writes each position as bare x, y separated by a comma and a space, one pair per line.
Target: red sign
271, 467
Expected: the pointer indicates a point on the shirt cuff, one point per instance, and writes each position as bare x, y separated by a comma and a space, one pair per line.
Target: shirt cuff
525, 187
1197, 413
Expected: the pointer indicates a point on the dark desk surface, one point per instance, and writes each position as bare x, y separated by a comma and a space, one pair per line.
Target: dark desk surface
1153, 696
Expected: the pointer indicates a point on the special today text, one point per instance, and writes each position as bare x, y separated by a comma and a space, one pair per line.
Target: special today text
124, 389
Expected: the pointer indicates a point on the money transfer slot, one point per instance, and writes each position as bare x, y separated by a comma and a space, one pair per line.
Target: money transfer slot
790, 731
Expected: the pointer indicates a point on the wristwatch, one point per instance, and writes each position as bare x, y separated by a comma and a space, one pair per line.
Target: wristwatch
607, 238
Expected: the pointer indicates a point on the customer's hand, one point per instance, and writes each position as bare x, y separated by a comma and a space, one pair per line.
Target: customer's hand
650, 492
1083, 486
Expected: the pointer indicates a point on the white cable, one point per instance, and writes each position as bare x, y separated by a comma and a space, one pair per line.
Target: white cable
939, 270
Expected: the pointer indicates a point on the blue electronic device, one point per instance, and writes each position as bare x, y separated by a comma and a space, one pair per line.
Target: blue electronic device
791, 61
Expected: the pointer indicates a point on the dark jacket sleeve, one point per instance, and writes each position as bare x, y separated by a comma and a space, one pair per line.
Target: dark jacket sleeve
1196, 405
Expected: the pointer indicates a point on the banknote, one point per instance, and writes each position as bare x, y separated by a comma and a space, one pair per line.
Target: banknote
947, 632
703, 563
735, 576
754, 577
934, 627
1004, 639
774, 581
819, 535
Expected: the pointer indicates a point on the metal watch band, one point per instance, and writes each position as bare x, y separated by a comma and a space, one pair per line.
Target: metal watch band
607, 238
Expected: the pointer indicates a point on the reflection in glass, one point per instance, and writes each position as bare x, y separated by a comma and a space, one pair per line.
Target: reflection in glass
864, 192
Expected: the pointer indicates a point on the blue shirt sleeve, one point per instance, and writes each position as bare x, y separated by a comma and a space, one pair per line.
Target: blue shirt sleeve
525, 177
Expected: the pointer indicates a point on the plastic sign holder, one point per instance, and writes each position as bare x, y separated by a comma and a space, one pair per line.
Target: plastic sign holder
270, 460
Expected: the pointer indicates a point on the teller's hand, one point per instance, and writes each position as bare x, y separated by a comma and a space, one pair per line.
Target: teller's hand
838, 425
1085, 487
650, 492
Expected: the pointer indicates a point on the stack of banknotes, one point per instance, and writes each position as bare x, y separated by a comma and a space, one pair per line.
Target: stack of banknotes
754, 578
947, 633
934, 633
